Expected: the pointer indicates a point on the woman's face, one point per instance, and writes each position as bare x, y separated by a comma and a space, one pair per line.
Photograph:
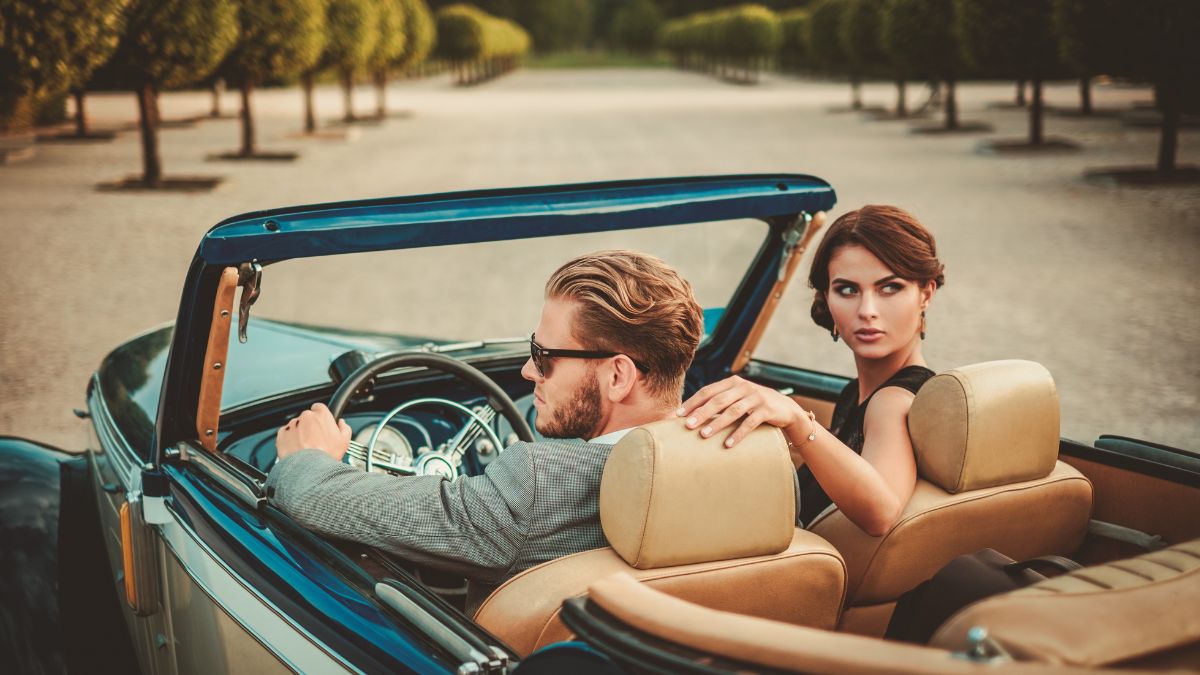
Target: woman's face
876, 312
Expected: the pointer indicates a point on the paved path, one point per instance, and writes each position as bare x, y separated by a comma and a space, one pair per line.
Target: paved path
1097, 283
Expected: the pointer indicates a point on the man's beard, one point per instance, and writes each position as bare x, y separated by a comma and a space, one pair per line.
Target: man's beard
579, 418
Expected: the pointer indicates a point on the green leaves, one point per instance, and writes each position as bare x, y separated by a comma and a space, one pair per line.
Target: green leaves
172, 43
467, 33
277, 40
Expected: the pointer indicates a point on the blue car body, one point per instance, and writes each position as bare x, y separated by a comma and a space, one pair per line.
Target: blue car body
239, 586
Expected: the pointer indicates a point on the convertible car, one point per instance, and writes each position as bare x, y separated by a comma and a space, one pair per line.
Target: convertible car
157, 550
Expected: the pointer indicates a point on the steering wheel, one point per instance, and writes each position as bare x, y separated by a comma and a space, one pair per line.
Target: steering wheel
496, 397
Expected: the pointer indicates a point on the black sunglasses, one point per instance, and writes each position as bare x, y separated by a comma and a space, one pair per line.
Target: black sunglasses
541, 356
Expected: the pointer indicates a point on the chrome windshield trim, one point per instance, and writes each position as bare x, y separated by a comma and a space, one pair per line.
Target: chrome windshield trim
125, 461
215, 468
263, 621
473, 344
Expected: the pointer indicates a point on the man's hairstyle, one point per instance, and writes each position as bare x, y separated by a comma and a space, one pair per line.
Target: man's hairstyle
637, 305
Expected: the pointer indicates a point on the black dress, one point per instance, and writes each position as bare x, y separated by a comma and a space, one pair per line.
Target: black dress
847, 426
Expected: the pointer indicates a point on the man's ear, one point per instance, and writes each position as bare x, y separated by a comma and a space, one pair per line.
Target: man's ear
620, 378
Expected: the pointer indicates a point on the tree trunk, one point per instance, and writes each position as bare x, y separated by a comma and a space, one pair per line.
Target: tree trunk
1021, 93
381, 93
901, 99
1085, 95
80, 113
951, 105
217, 85
155, 113
348, 95
1168, 140
151, 161
855, 92
247, 89
310, 115
1035, 114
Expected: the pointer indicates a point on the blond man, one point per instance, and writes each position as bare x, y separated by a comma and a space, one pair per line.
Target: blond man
617, 333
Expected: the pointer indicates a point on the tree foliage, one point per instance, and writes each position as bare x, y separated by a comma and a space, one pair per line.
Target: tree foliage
860, 37
277, 40
740, 35
393, 36
173, 43
421, 32
479, 44
352, 29
919, 36
1009, 38
47, 47
794, 49
825, 35
635, 26
554, 25
1091, 33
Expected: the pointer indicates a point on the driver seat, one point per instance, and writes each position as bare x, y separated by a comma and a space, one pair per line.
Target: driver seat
696, 520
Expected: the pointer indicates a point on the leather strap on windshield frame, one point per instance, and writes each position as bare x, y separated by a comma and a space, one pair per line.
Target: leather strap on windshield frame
212, 380
791, 263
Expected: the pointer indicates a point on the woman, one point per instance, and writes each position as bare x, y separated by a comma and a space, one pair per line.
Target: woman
874, 276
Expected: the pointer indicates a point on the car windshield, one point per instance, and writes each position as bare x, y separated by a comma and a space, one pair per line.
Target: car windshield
396, 299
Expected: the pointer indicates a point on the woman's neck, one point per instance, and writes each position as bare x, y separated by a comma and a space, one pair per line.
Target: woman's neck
872, 373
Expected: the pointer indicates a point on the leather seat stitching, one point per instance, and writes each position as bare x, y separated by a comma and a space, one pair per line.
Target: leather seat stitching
1094, 582
1159, 562
649, 500
1135, 573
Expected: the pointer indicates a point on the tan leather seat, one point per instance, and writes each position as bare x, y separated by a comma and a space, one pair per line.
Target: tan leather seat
694, 519
1143, 612
986, 441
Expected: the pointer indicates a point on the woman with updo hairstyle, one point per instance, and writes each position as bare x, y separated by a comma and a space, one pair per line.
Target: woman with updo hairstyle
873, 277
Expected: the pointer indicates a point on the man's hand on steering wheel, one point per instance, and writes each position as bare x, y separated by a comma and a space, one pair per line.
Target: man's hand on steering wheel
313, 428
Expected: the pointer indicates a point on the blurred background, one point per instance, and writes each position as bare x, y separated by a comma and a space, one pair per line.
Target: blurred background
1050, 145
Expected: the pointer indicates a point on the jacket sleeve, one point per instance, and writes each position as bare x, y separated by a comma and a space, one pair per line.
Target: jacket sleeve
473, 525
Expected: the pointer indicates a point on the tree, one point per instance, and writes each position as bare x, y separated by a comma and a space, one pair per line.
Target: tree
47, 48
393, 35
1013, 38
825, 42
170, 43
863, 47
278, 40
553, 25
478, 44
352, 27
748, 35
421, 33
794, 52
94, 31
919, 37
1161, 46
1091, 35
635, 26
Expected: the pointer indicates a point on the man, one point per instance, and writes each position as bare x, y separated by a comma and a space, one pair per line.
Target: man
618, 331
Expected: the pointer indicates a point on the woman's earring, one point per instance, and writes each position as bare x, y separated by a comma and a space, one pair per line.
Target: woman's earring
833, 333
922, 324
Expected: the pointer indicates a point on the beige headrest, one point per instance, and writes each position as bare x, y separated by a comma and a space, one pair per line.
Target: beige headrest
669, 497
986, 424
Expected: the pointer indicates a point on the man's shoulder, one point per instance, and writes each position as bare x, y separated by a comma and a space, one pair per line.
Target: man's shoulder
555, 451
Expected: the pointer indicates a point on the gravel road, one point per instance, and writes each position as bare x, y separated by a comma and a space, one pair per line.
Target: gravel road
1096, 282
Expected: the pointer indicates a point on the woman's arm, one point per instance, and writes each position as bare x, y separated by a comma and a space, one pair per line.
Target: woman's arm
871, 489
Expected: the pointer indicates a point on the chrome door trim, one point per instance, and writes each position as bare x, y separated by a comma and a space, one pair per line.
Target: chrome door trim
291, 643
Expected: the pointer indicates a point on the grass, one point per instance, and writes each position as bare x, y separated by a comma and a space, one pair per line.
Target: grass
596, 59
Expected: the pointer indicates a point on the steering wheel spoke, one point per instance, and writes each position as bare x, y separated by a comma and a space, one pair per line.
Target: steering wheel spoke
477, 434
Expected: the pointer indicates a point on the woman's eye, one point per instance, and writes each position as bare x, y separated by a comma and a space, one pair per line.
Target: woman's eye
844, 291
893, 287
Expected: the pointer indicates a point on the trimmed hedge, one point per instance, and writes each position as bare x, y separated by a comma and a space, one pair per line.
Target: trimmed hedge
478, 44
743, 37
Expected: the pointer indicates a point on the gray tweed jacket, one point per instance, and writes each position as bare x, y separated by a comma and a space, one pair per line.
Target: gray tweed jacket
535, 502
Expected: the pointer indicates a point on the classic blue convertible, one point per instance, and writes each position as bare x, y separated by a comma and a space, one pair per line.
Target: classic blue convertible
158, 551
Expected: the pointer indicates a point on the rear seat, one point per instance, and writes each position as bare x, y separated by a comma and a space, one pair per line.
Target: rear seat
1140, 613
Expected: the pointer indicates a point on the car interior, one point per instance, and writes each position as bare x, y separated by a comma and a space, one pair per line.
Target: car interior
704, 550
